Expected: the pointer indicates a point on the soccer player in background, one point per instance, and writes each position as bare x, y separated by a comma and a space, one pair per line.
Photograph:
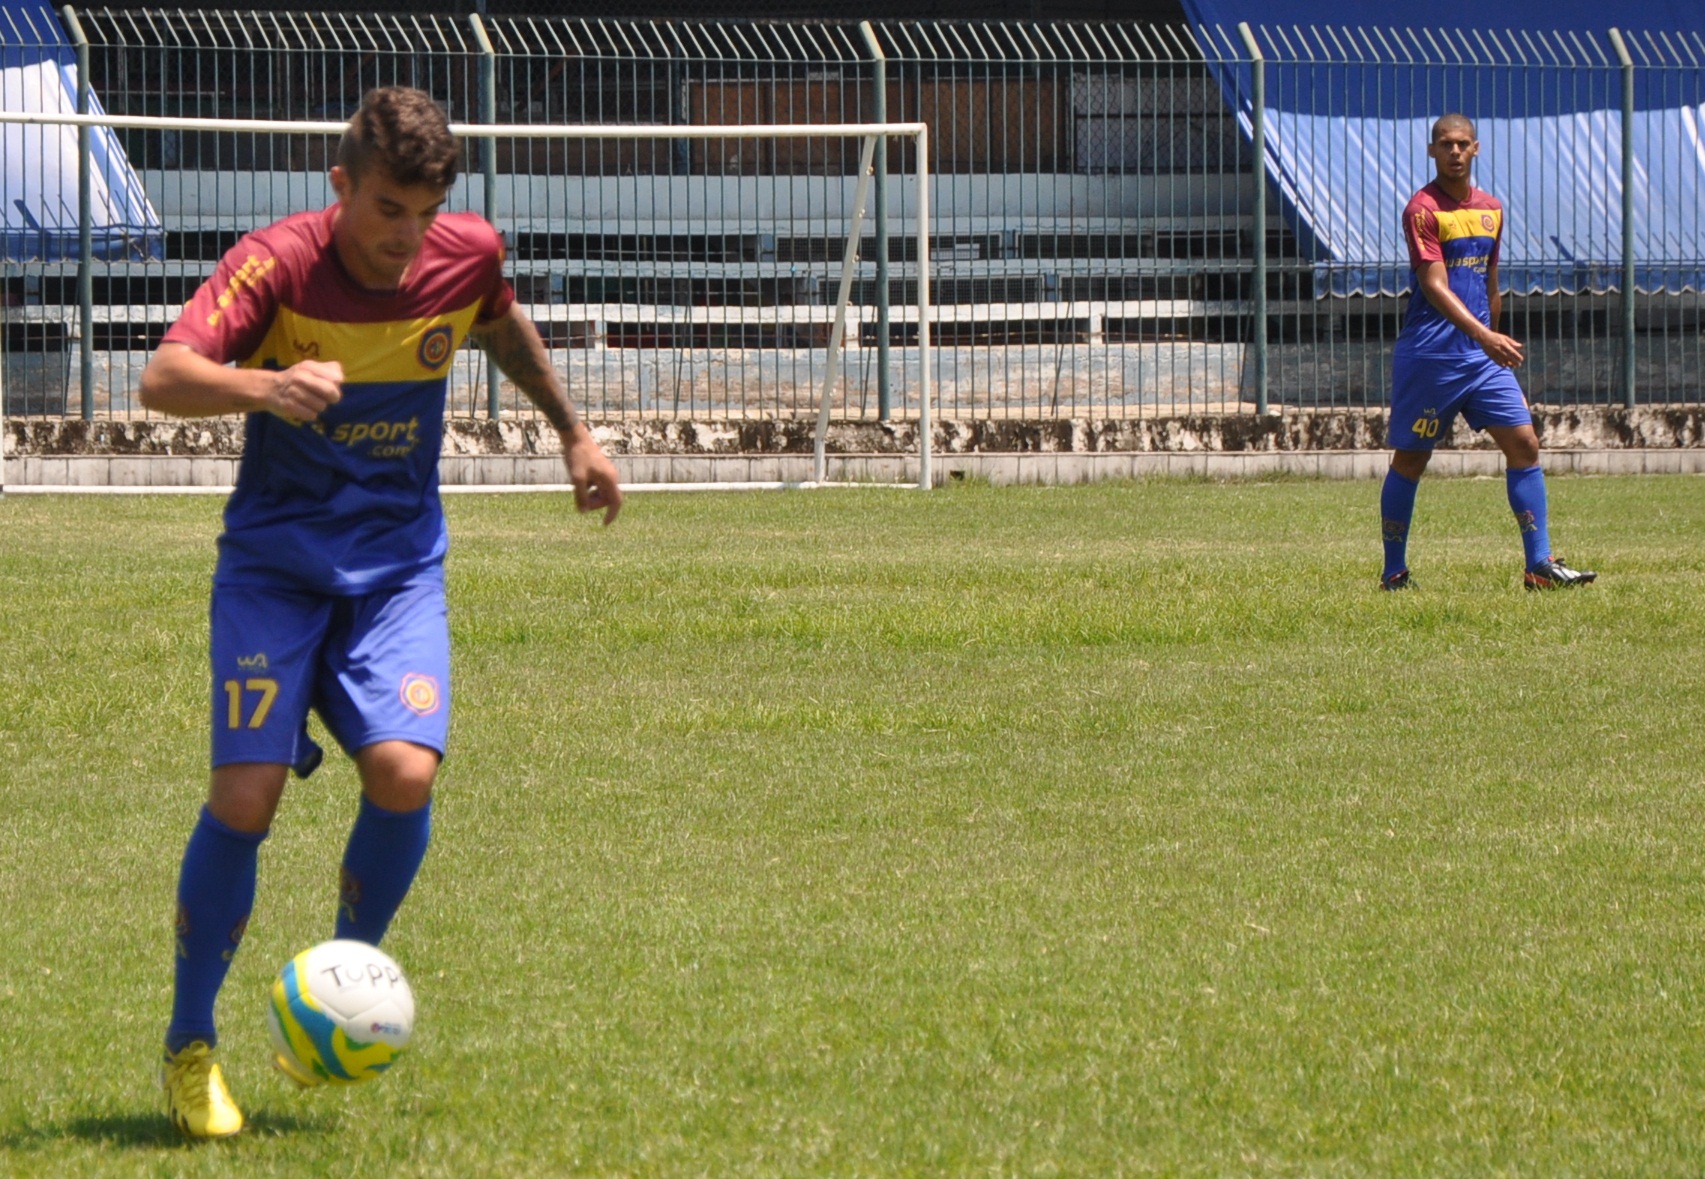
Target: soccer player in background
1450, 359
328, 592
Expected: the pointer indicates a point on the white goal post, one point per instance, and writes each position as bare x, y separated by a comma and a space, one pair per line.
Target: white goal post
868, 135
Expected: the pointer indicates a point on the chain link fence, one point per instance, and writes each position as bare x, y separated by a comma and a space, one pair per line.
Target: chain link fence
1101, 246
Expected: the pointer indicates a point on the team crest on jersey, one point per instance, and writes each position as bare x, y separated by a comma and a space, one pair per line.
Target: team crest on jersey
420, 694
435, 346
1487, 222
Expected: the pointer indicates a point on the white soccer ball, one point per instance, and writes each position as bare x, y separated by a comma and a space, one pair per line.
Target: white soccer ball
340, 1013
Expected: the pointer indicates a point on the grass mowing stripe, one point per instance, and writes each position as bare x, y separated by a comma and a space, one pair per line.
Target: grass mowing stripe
1107, 829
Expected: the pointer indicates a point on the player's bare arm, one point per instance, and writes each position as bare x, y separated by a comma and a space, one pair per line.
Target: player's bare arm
182, 382
1435, 283
514, 345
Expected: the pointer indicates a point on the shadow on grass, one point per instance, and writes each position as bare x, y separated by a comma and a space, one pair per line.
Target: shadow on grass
151, 1131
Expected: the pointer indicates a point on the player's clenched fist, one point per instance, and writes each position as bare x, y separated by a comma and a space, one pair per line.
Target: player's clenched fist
596, 487
305, 389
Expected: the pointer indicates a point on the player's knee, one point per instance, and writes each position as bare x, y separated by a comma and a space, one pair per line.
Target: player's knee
1519, 444
398, 775
244, 796
399, 792
1523, 454
1410, 464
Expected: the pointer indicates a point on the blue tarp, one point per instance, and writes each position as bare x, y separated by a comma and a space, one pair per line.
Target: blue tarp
1346, 180
38, 184
1593, 15
1349, 109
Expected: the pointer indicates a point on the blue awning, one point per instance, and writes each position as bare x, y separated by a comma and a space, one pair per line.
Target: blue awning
38, 183
1560, 178
1348, 111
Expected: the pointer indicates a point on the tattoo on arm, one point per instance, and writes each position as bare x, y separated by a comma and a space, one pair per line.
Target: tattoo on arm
516, 349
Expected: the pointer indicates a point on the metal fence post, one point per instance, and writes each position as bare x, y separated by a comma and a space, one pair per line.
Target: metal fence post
1627, 60
85, 224
884, 389
488, 163
1258, 132
926, 427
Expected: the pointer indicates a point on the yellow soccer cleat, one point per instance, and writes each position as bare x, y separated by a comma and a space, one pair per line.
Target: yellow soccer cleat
304, 1080
196, 1098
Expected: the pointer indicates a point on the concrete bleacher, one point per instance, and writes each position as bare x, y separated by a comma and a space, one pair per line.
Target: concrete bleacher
1024, 281
725, 267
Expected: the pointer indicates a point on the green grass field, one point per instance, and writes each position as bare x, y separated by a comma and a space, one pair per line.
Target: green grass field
1120, 829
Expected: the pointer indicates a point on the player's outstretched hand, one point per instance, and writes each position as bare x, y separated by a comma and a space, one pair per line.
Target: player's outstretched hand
1503, 350
305, 389
596, 487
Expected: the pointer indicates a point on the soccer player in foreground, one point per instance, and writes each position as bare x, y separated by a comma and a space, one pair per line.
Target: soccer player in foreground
1450, 359
328, 592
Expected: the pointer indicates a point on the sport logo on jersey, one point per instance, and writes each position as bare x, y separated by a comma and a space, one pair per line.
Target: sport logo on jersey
435, 346
383, 439
419, 694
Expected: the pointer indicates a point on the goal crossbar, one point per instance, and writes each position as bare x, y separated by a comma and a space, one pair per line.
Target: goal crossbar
870, 133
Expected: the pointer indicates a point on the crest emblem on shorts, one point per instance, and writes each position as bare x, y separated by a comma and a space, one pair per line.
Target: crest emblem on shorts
420, 694
435, 347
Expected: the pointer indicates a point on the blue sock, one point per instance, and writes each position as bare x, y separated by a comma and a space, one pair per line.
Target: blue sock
1526, 489
216, 892
384, 853
1396, 509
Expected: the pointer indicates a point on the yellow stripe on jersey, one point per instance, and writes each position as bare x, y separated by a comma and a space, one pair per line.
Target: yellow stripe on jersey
1469, 223
394, 350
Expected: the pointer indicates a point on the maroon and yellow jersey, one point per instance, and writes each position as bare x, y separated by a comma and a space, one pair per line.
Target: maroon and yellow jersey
348, 503
1465, 236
